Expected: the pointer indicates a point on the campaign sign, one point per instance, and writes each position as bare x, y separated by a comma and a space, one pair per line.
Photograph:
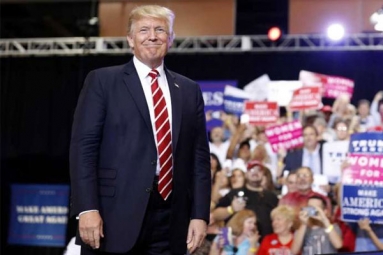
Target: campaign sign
285, 136
362, 202
332, 86
306, 98
364, 169
39, 215
212, 92
366, 143
334, 153
262, 113
234, 100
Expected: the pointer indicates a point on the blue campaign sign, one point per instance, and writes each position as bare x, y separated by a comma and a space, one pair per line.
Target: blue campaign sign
234, 105
366, 143
212, 92
362, 202
39, 215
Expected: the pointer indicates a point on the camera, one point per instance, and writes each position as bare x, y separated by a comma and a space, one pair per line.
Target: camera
311, 211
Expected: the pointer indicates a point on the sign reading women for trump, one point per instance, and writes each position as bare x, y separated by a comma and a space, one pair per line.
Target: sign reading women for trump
212, 92
39, 215
285, 136
364, 169
362, 192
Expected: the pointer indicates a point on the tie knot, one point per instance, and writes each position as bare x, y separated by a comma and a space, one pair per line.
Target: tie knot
153, 73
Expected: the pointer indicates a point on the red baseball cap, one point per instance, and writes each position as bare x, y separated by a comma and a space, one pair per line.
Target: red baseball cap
254, 163
326, 108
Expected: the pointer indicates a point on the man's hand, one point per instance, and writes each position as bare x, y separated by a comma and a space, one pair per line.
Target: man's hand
196, 234
90, 227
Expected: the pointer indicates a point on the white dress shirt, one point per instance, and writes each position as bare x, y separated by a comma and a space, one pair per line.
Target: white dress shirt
312, 160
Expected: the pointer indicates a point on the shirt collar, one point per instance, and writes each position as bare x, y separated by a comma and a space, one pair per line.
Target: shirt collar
143, 70
316, 151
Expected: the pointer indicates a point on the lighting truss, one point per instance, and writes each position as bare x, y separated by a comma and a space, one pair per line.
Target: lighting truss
190, 45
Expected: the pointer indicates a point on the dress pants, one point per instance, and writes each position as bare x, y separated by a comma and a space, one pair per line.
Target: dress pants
155, 231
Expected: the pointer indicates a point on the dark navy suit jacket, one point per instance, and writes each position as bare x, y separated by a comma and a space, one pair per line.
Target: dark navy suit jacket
113, 155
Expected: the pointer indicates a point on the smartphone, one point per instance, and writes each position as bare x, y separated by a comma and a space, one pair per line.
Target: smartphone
227, 236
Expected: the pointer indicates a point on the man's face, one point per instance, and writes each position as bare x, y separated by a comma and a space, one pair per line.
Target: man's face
341, 131
291, 183
309, 137
363, 110
304, 179
216, 134
255, 174
150, 40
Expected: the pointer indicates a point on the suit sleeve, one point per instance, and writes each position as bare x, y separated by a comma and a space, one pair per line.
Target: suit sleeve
84, 147
201, 174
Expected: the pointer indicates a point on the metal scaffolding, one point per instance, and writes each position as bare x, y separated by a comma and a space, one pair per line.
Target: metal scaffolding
189, 45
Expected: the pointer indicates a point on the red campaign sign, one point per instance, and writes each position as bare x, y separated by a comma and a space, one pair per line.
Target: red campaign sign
262, 113
306, 98
285, 136
332, 86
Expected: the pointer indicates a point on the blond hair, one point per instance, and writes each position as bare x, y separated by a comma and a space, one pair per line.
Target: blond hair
287, 212
236, 222
152, 11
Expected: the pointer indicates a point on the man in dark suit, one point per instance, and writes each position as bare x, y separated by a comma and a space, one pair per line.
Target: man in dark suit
139, 156
310, 155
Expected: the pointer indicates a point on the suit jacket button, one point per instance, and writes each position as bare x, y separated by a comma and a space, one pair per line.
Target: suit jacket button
148, 190
153, 162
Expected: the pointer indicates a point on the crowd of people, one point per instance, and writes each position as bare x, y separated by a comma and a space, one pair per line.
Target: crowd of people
270, 201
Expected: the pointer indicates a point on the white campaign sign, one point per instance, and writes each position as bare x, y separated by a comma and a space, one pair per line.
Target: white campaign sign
258, 89
282, 91
334, 153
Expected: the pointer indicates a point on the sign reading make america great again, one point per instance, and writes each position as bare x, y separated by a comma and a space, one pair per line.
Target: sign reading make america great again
39, 215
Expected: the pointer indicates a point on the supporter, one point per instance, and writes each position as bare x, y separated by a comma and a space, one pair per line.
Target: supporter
252, 196
342, 130
365, 119
280, 241
215, 165
339, 109
290, 184
347, 229
244, 239
376, 109
325, 134
217, 145
300, 198
316, 234
364, 225
237, 178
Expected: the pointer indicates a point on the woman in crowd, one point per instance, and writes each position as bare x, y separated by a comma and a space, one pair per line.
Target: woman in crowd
237, 178
244, 236
215, 165
280, 241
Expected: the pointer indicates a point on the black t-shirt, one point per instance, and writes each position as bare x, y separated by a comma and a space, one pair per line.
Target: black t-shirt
261, 202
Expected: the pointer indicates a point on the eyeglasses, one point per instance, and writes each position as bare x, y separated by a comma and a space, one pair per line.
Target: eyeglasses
341, 128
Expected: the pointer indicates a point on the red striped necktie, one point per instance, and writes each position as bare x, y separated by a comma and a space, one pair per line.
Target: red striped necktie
164, 137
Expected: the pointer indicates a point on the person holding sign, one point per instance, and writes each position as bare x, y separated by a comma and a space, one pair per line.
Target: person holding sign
139, 154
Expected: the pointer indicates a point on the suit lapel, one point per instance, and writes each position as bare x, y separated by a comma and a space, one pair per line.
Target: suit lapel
133, 83
176, 97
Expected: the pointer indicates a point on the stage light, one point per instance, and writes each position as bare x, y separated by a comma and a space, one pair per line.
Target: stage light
274, 33
377, 19
335, 32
